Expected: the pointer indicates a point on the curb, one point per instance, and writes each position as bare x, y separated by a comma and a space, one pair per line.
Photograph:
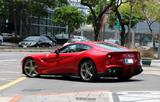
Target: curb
17, 49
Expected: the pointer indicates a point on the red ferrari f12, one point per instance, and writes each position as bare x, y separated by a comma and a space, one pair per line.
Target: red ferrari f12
89, 60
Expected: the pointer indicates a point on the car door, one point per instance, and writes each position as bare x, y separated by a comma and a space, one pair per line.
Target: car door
51, 64
68, 59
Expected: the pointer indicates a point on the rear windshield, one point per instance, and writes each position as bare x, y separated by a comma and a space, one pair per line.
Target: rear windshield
110, 47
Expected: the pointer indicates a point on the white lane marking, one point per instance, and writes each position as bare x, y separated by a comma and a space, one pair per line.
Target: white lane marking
139, 96
8, 60
9, 72
151, 72
7, 79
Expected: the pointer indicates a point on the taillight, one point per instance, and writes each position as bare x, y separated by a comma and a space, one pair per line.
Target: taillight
108, 59
109, 56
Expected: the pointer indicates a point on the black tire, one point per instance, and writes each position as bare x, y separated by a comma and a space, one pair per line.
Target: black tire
54, 44
29, 68
45, 45
87, 71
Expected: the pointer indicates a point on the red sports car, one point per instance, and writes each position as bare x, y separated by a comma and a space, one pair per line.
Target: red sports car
89, 60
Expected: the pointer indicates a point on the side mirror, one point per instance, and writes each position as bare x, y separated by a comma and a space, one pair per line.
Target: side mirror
57, 51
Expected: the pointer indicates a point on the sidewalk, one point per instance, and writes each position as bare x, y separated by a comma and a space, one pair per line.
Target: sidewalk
155, 63
92, 96
12, 47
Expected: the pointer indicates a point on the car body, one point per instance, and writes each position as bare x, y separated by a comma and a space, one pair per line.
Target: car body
36, 41
1, 40
89, 60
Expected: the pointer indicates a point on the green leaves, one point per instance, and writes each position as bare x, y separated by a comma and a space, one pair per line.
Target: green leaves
70, 16
136, 14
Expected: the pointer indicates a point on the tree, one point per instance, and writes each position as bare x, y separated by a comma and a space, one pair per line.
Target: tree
150, 10
2, 14
97, 16
69, 15
128, 14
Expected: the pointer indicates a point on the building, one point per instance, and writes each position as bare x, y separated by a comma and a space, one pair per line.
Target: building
78, 4
143, 35
45, 25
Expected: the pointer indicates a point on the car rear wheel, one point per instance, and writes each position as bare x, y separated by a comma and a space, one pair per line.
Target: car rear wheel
29, 68
88, 71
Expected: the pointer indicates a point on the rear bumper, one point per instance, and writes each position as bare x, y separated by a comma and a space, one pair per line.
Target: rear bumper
119, 71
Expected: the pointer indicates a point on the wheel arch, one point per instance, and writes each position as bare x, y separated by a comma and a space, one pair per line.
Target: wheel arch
85, 59
24, 60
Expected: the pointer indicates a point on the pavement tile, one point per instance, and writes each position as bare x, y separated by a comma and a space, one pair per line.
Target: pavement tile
139, 96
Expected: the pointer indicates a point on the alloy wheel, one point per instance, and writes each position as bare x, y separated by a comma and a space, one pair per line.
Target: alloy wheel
30, 68
87, 71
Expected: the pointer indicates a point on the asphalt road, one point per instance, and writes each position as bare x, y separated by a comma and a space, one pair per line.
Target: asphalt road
15, 87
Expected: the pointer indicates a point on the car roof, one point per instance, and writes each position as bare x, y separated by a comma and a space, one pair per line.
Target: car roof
93, 44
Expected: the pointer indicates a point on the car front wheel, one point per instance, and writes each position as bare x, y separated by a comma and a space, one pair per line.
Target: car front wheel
88, 71
29, 68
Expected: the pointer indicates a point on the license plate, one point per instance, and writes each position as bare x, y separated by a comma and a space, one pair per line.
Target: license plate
128, 61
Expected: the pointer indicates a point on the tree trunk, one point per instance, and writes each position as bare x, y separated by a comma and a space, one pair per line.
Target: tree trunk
0, 25
20, 28
97, 30
38, 32
153, 38
122, 34
15, 24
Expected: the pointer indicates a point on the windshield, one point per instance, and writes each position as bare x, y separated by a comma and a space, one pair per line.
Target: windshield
32, 38
110, 47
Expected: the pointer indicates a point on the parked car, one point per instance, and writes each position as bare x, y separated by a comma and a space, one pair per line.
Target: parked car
89, 60
61, 38
36, 41
1, 39
53, 39
115, 41
80, 37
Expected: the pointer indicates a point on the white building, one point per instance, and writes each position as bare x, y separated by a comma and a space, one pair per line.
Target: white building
77, 3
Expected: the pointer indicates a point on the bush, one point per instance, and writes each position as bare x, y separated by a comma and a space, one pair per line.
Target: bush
145, 53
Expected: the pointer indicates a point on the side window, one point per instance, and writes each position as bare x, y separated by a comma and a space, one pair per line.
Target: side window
44, 39
41, 39
82, 47
64, 49
68, 49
